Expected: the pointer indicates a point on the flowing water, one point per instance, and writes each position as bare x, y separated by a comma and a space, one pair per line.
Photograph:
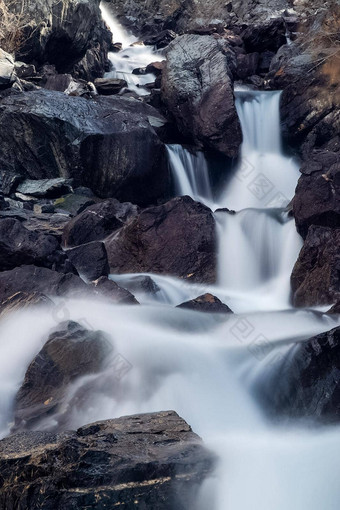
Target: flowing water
205, 366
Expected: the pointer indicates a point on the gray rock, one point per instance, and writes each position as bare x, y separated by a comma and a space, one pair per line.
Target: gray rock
46, 188
197, 88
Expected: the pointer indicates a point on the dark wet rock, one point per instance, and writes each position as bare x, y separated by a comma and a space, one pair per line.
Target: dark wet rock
20, 246
269, 35
22, 300
83, 190
70, 352
107, 144
25, 71
103, 465
98, 221
69, 34
206, 303
109, 86
109, 289
307, 384
7, 70
43, 209
116, 47
73, 204
177, 238
317, 196
46, 188
335, 309
316, 275
90, 260
160, 40
197, 88
155, 68
247, 65
41, 280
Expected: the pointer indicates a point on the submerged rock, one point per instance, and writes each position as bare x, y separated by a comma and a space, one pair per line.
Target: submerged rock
206, 303
108, 144
197, 88
177, 238
316, 275
145, 461
70, 352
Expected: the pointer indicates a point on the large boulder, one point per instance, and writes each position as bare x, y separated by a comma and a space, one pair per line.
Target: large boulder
307, 385
177, 238
69, 34
97, 222
70, 352
197, 88
109, 145
40, 280
316, 275
145, 461
20, 246
90, 260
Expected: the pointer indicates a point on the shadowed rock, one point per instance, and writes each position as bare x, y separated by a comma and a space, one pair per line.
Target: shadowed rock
206, 303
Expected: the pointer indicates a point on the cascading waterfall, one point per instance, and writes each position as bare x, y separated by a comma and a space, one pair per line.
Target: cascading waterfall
190, 174
134, 55
200, 365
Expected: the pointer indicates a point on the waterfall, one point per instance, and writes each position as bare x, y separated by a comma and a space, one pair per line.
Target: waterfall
264, 177
134, 55
190, 174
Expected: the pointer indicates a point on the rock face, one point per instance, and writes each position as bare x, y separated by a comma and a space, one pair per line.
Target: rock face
90, 260
97, 222
69, 34
177, 238
197, 88
19, 246
103, 465
109, 144
206, 303
70, 352
307, 386
316, 274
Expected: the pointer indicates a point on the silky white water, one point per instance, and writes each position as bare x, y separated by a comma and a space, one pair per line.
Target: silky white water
204, 366
134, 55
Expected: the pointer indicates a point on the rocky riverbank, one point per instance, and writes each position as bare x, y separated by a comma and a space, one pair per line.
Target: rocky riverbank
86, 191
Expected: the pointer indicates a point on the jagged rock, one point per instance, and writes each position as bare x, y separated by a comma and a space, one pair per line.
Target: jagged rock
90, 260
177, 238
7, 70
109, 289
315, 279
103, 465
46, 188
9, 181
20, 246
206, 303
70, 352
109, 145
97, 222
21, 300
197, 88
307, 385
160, 40
140, 283
69, 34
109, 86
